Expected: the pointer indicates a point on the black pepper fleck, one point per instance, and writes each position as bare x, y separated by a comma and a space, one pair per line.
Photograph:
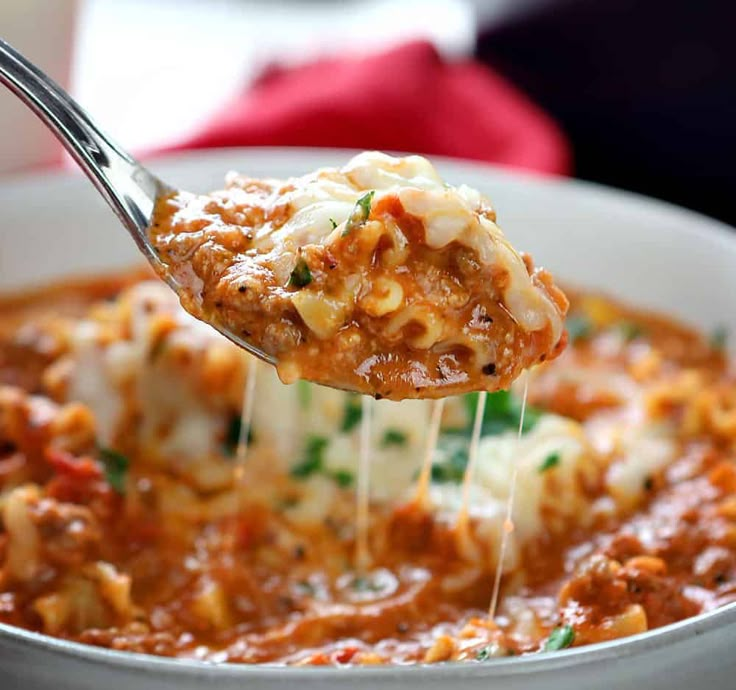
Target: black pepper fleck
489, 369
242, 288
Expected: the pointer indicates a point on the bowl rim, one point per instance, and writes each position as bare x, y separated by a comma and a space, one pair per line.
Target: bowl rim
634, 645
617, 649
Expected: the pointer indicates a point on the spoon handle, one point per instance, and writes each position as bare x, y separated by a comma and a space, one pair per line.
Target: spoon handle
127, 186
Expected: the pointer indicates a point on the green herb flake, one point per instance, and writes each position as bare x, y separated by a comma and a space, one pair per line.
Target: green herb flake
560, 638
301, 276
352, 414
579, 327
232, 435
116, 468
629, 330
502, 413
360, 212
312, 458
304, 393
483, 654
333, 223
394, 437
364, 203
343, 478
451, 459
719, 338
552, 460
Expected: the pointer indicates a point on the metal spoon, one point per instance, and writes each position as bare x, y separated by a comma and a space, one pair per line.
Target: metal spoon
130, 189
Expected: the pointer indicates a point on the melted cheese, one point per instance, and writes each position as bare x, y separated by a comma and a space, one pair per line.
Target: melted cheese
449, 214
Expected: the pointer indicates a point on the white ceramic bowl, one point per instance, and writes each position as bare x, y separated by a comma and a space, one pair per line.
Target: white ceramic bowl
645, 252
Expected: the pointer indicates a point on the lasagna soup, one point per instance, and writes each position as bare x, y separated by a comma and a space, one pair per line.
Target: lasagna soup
124, 526
377, 277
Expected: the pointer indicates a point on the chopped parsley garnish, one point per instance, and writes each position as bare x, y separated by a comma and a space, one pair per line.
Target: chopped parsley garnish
360, 213
483, 654
343, 478
450, 460
719, 338
364, 203
629, 330
116, 468
312, 457
560, 638
552, 460
579, 327
393, 437
301, 276
352, 414
304, 392
333, 223
501, 415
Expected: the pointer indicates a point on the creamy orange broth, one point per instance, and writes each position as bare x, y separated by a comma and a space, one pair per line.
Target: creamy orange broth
154, 560
376, 277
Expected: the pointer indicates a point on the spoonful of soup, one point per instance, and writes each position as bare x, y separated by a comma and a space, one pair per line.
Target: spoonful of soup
377, 277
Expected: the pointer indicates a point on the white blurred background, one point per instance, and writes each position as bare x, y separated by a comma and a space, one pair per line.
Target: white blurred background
153, 71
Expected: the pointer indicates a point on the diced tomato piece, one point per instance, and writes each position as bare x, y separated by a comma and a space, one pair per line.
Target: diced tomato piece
68, 465
345, 655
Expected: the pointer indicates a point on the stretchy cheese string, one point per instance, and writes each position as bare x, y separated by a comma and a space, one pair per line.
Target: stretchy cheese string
463, 514
421, 498
362, 553
246, 418
508, 524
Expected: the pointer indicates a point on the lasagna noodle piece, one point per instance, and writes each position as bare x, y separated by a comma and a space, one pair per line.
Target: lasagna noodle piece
377, 277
